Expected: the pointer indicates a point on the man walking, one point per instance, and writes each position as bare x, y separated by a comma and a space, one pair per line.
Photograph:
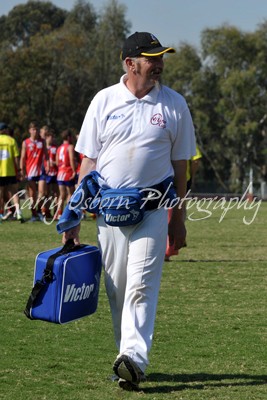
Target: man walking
136, 134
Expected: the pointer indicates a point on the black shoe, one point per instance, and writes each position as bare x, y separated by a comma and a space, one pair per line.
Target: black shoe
128, 370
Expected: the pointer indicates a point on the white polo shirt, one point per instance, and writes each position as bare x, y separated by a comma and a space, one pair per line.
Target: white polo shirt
134, 140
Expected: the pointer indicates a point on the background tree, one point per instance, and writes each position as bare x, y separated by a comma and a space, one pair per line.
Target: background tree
181, 70
230, 54
26, 20
184, 72
110, 34
53, 75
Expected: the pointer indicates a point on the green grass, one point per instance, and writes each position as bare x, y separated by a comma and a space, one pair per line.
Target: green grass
210, 337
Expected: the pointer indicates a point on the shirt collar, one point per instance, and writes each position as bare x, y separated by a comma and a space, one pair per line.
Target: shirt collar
151, 97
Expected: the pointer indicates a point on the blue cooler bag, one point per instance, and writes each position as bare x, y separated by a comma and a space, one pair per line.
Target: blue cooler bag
66, 284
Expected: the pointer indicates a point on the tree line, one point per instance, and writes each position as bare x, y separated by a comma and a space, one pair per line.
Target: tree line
54, 61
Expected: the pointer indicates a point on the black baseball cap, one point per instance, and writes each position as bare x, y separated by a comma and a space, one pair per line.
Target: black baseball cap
143, 44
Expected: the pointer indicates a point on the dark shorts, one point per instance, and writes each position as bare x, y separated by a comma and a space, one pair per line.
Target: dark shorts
51, 179
66, 183
48, 179
7, 180
33, 178
43, 177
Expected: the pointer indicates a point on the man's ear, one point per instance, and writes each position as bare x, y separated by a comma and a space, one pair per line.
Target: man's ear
130, 63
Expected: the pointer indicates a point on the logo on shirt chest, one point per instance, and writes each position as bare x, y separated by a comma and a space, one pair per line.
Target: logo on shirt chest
115, 117
157, 119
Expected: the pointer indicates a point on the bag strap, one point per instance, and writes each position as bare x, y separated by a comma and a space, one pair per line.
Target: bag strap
47, 277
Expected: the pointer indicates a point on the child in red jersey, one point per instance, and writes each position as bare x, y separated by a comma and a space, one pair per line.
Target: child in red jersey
65, 160
42, 185
33, 152
50, 178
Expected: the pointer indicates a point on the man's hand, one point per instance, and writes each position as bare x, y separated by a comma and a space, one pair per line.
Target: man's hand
72, 234
176, 231
87, 166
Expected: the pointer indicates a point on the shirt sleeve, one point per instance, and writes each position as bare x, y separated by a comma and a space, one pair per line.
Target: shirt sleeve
184, 145
88, 142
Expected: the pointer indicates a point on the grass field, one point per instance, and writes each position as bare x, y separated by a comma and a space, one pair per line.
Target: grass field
211, 329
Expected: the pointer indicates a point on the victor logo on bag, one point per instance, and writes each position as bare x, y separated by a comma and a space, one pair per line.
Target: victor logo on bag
73, 293
132, 216
122, 207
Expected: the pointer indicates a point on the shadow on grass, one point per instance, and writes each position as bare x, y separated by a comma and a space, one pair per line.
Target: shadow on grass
215, 261
200, 381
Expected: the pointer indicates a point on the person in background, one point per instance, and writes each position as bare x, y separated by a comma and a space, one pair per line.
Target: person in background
192, 168
65, 161
137, 134
42, 184
33, 153
10, 173
43, 131
51, 186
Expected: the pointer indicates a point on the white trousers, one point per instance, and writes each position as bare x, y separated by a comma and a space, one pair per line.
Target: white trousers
133, 257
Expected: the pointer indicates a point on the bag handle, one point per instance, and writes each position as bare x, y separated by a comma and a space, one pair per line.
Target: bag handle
47, 277
68, 247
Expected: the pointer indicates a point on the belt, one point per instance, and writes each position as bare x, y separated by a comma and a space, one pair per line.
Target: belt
161, 188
